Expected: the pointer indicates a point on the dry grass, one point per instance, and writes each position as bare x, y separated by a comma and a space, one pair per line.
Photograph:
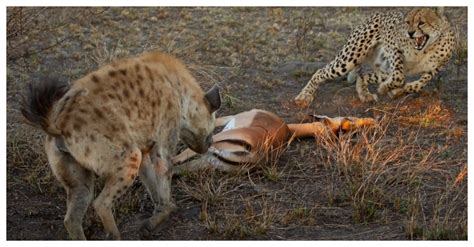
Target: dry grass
417, 114
225, 211
217, 194
27, 28
410, 172
104, 54
383, 174
26, 151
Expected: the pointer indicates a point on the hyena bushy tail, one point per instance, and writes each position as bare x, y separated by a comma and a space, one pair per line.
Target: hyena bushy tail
38, 102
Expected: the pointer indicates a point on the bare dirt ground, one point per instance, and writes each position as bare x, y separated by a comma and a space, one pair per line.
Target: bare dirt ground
406, 179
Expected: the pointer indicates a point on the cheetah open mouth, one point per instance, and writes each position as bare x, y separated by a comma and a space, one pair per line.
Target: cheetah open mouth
420, 42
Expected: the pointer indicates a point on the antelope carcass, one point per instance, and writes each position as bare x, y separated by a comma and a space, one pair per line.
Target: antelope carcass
253, 136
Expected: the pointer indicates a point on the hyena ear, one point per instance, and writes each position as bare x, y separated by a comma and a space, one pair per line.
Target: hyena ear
213, 97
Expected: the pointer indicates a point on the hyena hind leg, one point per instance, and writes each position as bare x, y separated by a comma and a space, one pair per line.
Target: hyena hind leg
116, 183
78, 183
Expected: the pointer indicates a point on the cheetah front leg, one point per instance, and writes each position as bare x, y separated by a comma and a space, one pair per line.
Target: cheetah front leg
363, 83
336, 68
305, 97
397, 77
412, 87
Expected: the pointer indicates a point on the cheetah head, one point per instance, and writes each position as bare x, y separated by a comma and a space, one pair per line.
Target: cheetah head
198, 123
424, 26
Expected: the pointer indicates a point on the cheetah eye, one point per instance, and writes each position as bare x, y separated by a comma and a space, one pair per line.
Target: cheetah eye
408, 22
421, 23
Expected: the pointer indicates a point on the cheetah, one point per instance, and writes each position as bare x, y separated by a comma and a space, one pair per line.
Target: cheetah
395, 46
122, 120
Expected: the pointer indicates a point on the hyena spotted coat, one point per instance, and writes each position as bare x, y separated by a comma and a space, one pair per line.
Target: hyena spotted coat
118, 122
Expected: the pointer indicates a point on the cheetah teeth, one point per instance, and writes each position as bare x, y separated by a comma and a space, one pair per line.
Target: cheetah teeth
420, 42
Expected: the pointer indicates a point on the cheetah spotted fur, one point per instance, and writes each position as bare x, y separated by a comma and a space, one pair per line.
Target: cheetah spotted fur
395, 46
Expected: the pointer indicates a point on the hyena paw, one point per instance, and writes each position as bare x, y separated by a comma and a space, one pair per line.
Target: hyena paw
368, 97
303, 100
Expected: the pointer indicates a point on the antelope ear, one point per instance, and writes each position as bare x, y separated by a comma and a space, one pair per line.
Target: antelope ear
213, 97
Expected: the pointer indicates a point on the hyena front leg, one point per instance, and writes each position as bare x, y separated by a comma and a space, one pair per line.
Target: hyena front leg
79, 185
116, 183
156, 174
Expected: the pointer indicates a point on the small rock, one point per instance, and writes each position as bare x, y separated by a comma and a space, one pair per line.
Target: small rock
276, 26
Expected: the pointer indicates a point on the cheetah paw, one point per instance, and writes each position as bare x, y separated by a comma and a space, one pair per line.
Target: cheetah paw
394, 93
383, 89
303, 100
146, 231
368, 98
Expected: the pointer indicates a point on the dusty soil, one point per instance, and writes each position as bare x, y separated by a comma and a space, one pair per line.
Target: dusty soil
260, 58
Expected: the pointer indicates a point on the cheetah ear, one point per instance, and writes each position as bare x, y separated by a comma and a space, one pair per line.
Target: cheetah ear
440, 10
213, 97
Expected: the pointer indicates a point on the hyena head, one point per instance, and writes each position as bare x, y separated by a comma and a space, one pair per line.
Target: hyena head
198, 122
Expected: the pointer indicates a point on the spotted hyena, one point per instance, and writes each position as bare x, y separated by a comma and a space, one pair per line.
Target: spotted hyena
120, 121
